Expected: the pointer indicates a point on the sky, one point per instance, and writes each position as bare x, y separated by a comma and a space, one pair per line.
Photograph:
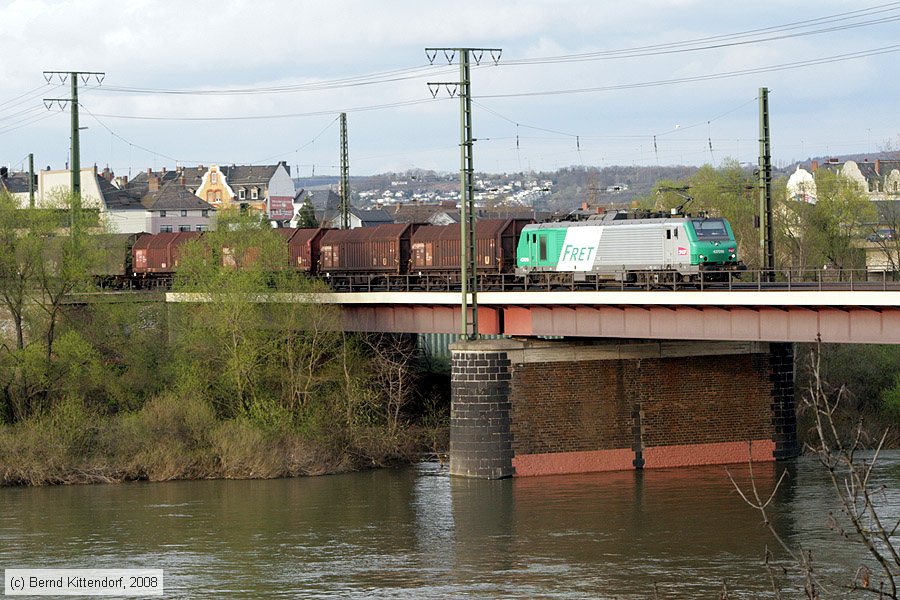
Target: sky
578, 82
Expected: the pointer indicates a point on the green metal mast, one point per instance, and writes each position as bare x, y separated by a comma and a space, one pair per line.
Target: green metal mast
467, 252
31, 180
766, 238
75, 158
345, 176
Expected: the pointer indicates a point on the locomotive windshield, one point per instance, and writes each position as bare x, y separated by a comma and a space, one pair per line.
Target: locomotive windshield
710, 229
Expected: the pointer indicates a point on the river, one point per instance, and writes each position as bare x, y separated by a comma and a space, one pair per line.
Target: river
416, 532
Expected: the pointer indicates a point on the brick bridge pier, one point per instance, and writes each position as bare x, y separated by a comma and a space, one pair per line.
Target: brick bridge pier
540, 407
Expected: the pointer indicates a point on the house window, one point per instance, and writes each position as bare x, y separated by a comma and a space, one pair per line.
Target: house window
201, 227
204, 213
165, 229
242, 194
214, 177
184, 228
162, 214
184, 213
254, 194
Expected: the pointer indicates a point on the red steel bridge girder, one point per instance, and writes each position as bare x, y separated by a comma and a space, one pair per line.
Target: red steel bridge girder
789, 324
415, 319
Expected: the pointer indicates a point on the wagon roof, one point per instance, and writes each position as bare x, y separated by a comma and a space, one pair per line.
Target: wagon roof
379, 233
161, 240
303, 235
484, 229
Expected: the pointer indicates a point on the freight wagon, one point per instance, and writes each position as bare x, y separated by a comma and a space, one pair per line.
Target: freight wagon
436, 253
158, 255
365, 257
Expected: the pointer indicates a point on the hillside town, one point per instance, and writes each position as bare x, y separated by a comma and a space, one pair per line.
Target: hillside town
187, 198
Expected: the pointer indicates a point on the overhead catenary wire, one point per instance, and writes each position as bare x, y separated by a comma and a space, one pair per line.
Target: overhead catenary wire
579, 136
306, 145
130, 143
606, 88
704, 43
719, 41
38, 117
329, 84
26, 96
691, 79
318, 113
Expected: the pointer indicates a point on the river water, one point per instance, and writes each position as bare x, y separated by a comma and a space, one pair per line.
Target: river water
416, 532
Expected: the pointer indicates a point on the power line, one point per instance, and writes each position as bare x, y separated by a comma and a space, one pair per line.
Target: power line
319, 113
25, 96
356, 81
119, 137
725, 75
720, 41
635, 85
639, 51
306, 145
698, 124
31, 121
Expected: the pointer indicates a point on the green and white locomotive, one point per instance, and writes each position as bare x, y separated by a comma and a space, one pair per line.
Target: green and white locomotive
657, 250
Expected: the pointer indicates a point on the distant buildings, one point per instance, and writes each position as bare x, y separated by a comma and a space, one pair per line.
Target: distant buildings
879, 179
185, 199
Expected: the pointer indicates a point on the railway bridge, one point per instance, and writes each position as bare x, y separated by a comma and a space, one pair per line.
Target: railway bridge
608, 380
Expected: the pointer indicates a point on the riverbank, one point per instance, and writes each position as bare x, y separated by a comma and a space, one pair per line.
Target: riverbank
181, 438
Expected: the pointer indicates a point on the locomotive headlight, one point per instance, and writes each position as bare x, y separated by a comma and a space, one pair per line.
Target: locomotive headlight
702, 257
733, 256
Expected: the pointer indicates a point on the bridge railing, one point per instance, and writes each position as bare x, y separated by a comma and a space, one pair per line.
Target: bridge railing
804, 279
757, 280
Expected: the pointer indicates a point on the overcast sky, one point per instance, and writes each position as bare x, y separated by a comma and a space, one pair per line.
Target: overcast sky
294, 65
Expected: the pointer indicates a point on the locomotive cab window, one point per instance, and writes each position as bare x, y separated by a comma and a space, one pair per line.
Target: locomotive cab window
542, 248
710, 229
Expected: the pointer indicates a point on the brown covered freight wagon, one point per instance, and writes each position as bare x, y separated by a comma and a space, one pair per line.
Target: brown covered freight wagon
366, 256
158, 254
435, 250
303, 248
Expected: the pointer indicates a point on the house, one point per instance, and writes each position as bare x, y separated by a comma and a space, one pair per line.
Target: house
53, 187
16, 185
327, 206
266, 189
119, 210
801, 186
878, 179
413, 213
444, 217
156, 201
174, 207
358, 218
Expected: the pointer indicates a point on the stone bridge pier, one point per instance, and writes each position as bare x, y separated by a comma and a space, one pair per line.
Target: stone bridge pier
538, 407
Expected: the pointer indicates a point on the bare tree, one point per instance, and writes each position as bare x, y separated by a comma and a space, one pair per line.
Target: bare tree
393, 357
862, 521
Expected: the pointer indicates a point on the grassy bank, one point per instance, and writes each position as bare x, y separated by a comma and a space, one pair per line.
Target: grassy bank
182, 438
238, 386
